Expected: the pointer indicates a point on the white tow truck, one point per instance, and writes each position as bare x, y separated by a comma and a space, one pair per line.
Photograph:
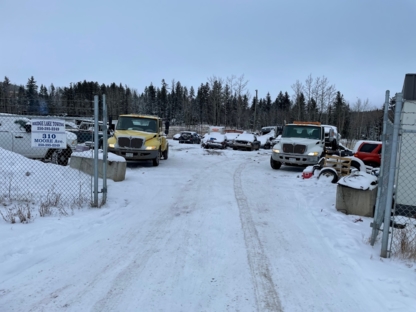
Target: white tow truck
301, 144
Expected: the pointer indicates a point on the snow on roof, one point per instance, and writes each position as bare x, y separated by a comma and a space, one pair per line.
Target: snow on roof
216, 135
232, 135
246, 137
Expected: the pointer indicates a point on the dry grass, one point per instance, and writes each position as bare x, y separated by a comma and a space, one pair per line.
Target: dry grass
406, 243
21, 212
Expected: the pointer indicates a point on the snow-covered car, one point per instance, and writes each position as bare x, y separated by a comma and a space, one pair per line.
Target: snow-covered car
189, 137
246, 141
276, 140
176, 136
266, 139
230, 138
214, 140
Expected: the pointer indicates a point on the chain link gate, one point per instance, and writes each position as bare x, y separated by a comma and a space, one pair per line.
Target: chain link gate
38, 181
403, 232
396, 198
386, 178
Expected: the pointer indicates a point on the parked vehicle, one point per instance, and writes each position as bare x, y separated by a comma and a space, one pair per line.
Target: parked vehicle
139, 137
266, 140
277, 130
176, 136
332, 137
15, 136
214, 140
246, 141
189, 137
301, 144
369, 152
85, 131
341, 151
231, 136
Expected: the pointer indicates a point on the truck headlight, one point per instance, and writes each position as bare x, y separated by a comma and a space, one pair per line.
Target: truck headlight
313, 154
111, 145
275, 150
151, 147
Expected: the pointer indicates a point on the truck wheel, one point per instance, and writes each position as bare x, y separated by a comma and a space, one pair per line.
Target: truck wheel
165, 153
275, 164
61, 157
329, 173
156, 160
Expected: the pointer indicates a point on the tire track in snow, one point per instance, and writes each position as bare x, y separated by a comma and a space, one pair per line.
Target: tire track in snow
124, 279
266, 296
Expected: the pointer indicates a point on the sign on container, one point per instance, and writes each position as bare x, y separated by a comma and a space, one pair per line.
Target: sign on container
48, 133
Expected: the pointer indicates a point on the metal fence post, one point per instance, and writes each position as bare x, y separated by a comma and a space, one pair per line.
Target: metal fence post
392, 173
96, 129
378, 217
104, 150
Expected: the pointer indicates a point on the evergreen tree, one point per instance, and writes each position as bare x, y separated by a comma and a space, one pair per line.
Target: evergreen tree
32, 96
299, 108
5, 97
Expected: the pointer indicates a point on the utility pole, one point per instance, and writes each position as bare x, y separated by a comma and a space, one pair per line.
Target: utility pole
255, 109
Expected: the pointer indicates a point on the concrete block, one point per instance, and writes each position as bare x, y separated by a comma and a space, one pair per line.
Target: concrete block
356, 202
116, 169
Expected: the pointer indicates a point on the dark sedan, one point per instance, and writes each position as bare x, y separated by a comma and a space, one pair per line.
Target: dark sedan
189, 137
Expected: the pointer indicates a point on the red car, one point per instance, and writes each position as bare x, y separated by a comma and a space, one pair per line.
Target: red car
369, 152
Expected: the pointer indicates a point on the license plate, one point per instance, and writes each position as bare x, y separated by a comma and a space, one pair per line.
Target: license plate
292, 159
129, 154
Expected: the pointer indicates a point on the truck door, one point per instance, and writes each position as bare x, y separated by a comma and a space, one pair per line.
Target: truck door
6, 140
22, 143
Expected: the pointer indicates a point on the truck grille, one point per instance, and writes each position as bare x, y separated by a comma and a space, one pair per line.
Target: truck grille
130, 143
296, 149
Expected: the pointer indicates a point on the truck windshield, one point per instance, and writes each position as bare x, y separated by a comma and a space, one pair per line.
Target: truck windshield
298, 131
136, 123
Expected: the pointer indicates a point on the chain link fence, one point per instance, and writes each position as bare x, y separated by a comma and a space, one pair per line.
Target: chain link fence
403, 236
37, 179
395, 213
385, 179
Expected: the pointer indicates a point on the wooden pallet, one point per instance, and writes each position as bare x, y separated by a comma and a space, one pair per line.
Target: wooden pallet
342, 165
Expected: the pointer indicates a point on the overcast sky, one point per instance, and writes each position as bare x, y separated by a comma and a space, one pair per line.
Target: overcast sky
363, 47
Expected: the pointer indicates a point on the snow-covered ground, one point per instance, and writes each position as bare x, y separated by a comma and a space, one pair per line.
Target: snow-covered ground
207, 230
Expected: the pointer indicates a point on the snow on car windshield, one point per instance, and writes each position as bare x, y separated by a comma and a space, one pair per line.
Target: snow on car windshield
214, 136
246, 137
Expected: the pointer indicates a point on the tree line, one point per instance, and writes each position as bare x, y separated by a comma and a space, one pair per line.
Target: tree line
221, 102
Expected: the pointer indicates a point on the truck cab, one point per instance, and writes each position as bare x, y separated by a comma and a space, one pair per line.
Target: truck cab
301, 144
139, 137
